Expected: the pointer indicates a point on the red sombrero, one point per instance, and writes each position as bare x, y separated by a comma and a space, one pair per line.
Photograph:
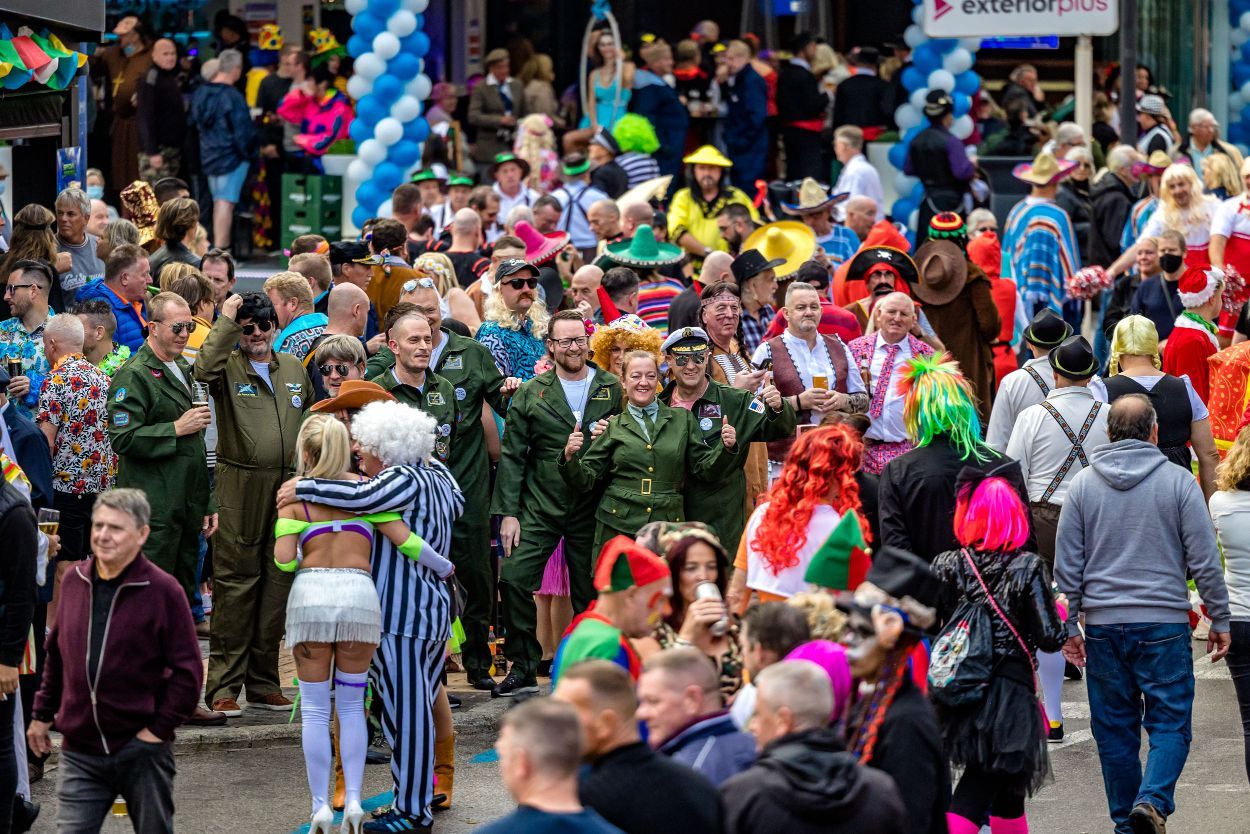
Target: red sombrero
539, 247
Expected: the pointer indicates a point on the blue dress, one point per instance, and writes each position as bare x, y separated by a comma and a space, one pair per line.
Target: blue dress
605, 114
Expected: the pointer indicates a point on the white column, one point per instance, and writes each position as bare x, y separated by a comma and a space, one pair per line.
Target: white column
1085, 83
1221, 64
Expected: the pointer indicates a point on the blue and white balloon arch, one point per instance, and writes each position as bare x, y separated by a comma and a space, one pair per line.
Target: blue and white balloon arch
389, 84
937, 64
1239, 101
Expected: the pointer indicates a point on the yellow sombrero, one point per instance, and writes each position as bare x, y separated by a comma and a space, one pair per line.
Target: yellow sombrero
708, 155
787, 240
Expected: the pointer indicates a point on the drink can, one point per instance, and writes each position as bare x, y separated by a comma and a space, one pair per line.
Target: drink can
709, 590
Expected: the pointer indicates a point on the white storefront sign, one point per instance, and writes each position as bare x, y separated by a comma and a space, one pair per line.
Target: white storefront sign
1016, 18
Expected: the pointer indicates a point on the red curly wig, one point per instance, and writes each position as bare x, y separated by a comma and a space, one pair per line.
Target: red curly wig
822, 462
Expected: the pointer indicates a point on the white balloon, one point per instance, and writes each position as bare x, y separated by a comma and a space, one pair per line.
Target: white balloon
917, 14
419, 87
372, 151
913, 219
406, 108
941, 80
385, 46
355, 7
358, 86
402, 24
903, 184
1238, 37
961, 129
359, 170
913, 36
387, 208
906, 117
369, 66
1245, 21
917, 98
388, 131
1245, 91
970, 44
416, 6
957, 61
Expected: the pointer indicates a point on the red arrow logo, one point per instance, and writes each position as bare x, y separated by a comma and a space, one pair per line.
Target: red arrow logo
940, 8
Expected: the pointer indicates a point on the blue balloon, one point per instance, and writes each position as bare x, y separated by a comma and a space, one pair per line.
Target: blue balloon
898, 156
369, 196
944, 45
383, 8
1245, 115
914, 79
387, 175
926, 58
417, 130
388, 89
917, 193
361, 214
1241, 73
404, 153
963, 104
900, 211
359, 130
418, 43
372, 109
967, 83
912, 133
357, 46
367, 27
1245, 51
404, 66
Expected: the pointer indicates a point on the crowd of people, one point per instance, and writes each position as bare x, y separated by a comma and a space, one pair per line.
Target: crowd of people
766, 512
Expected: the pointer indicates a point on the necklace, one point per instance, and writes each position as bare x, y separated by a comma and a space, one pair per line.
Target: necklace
577, 402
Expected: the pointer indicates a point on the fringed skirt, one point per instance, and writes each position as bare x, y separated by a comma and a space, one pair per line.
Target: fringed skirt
556, 575
333, 605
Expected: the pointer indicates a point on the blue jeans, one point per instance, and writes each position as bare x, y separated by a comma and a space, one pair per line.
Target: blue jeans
197, 605
1140, 674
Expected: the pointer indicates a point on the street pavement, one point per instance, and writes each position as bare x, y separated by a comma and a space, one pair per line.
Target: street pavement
241, 788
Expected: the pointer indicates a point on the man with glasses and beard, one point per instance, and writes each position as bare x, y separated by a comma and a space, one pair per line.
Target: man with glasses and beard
261, 397
719, 500
537, 508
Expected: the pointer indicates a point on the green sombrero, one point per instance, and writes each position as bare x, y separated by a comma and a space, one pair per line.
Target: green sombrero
643, 251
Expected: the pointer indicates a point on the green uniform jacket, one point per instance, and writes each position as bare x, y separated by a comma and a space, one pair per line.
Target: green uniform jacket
144, 401
646, 478
719, 499
256, 427
379, 363
438, 400
539, 424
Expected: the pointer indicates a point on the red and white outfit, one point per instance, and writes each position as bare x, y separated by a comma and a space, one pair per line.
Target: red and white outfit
1232, 222
1196, 224
1193, 340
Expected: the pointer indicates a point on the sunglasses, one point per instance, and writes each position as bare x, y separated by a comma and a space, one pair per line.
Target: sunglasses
263, 325
341, 370
179, 327
518, 283
423, 283
698, 357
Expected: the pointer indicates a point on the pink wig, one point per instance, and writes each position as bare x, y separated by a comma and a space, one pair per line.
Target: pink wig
831, 658
991, 516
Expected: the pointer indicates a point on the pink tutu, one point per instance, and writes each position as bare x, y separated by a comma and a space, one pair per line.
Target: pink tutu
556, 575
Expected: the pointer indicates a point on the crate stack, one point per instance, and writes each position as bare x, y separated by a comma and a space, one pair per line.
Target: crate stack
311, 204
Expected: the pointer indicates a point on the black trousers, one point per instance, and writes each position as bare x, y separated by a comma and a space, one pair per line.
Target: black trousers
1239, 665
981, 793
803, 155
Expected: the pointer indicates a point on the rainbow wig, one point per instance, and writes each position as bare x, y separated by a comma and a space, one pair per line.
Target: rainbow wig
635, 133
990, 516
938, 400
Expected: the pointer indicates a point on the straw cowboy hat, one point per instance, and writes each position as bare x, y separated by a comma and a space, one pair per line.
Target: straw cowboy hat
1044, 169
353, 394
708, 155
789, 240
539, 247
643, 251
943, 272
813, 198
652, 189
1156, 164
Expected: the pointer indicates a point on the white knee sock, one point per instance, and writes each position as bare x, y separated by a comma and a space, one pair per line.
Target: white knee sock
1050, 670
349, 700
314, 710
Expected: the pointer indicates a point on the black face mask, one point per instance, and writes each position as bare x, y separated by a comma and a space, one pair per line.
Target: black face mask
1169, 263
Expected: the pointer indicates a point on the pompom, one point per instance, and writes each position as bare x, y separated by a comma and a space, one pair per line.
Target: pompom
1089, 282
1236, 291
635, 133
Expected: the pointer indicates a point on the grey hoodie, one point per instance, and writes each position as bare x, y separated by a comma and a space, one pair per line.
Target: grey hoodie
1131, 526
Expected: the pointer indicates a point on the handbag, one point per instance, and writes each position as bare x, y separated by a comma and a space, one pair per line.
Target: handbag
962, 661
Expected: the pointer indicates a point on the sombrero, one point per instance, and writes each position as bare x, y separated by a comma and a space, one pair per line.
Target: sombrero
508, 156
866, 259
354, 394
140, 202
643, 251
1155, 165
540, 248
789, 240
813, 198
943, 272
708, 155
652, 189
1044, 169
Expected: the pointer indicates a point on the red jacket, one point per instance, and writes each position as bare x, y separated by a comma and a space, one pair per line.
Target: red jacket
1186, 352
150, 670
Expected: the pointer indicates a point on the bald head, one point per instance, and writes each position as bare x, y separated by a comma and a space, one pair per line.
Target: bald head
1133, 417
716, 267
861, 214
584, 286
635, 215
347, 309
466, 222
604, 219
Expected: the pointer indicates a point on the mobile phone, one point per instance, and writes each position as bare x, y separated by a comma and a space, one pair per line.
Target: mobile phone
766, 365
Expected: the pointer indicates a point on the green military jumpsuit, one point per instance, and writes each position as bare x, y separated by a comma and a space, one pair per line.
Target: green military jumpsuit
719, 500
257, 428
437, 399
646, 475
529, 487
145, 399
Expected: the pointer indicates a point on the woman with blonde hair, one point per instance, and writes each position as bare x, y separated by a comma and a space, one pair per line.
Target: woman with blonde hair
1182, 206
628, 334
537, 77
1220, 178
172, 271
536, 143
1230, 511
1136, 368
116, 232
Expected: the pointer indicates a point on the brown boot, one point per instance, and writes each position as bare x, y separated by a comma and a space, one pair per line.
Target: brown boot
340, 786
444, 770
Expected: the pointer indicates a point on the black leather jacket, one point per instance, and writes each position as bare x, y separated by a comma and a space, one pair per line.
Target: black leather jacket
1020, 583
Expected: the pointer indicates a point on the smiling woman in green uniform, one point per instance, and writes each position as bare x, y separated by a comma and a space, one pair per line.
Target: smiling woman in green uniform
646, 453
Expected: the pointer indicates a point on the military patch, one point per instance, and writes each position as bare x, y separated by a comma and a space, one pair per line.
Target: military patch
460, 394
710, 410
434, 398
157, 373
454, 363
121, 419
603, 392
295, 387
757, 406
706, 424
245, 389
440, 449
444, 430
120, 395
296, 401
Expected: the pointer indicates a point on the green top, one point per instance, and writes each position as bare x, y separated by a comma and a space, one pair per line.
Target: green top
438, 399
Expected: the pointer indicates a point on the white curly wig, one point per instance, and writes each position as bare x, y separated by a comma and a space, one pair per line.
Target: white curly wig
398, 434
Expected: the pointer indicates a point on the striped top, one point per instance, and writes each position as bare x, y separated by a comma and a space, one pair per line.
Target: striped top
1040, 253
415, 602
1141, 212
638, 167
654, 298
840, 244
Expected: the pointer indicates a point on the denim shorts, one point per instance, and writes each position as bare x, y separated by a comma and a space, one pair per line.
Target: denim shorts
228, 186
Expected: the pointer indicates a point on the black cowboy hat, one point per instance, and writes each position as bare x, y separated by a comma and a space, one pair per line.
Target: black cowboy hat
1074, 358
751, 263
1047, 329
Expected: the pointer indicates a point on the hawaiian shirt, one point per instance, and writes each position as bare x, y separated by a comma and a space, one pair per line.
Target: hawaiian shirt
16, 342
516, 352
119, 356
74, 401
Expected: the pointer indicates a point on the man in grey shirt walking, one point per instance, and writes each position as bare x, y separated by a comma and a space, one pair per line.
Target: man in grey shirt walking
1131, 529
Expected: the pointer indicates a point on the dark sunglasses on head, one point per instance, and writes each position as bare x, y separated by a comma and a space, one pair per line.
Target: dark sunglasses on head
698, 357
518, 283
179, 327
341, 370
264, 325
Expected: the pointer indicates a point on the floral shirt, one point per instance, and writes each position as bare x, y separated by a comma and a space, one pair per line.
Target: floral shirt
74, 401
17, 343
516, 352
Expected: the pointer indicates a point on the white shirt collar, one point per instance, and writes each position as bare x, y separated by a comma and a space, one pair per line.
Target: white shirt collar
799, 62
492, 81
